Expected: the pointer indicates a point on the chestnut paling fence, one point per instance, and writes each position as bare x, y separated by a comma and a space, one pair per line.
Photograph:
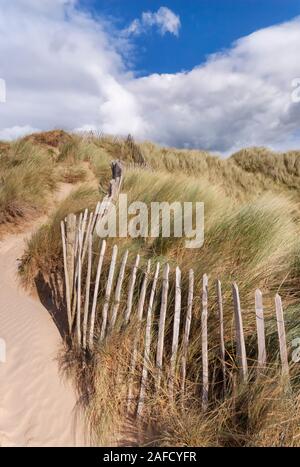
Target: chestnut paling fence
99, 303
111, 302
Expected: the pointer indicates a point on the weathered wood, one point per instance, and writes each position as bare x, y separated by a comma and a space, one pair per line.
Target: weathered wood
131, 289
95, 297
204, 340
148, 338
260, 326
221, 333
70, 248
83, 226
282, 337
187, 329
176, 325
108, 292
78, 314
162, 321
67, 281
87, 292
137, 335
239, 332
87, 236
118, 291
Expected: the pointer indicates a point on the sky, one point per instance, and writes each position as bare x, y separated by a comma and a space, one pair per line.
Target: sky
209, 74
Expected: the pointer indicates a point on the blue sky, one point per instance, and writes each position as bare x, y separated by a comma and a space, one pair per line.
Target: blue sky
217, 75
207, 26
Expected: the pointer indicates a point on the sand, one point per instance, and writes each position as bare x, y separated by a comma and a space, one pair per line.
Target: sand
37, 405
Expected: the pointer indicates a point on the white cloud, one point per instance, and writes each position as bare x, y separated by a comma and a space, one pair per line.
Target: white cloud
164, 19
63, 68
9, 134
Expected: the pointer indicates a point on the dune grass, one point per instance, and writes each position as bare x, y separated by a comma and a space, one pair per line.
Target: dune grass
251, 236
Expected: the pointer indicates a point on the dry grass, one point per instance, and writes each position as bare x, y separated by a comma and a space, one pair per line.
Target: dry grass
251, 236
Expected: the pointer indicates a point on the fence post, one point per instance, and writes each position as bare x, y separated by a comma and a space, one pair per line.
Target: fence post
162, 320
67, 280
93, 313
131, 289
188, 321
148, 338
108, 291
118, 291
240, 340
204, 316
78, 315
260, 326
176, 325
87, 291
282, 337
221, 331
137, 335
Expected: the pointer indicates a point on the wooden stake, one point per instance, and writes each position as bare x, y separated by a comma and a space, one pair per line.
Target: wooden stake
176, 325
67, 280
118, 291
240, 340
87, 291
70, 249
148, 338
282, 337
137, 336
78, 315
260, 326
221, 331
95, 298
108, 292
162, 320
131, 289
188, 321
204, 316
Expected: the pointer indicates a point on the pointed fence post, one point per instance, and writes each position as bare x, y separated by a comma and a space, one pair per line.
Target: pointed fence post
87, 291
70, 249
260, 326
221, 333
87, 236
131, 289
282, 337
176, 325
67, 280
118, 291
187, 329
204, 316
239, 332
137, 336
108, 292
162, 320
148, 338
96, 289
78, 314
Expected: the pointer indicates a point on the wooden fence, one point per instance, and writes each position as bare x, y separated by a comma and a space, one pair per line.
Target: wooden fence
84, 294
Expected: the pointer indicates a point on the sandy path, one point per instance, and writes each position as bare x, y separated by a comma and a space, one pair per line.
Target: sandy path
37, 408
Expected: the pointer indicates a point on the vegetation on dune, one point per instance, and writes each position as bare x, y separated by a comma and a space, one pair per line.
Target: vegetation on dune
251, 236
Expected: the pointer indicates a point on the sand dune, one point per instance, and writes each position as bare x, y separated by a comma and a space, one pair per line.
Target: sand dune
37, 407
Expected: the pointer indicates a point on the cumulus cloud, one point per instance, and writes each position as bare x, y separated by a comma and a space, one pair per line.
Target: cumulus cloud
63, 68
164, 19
